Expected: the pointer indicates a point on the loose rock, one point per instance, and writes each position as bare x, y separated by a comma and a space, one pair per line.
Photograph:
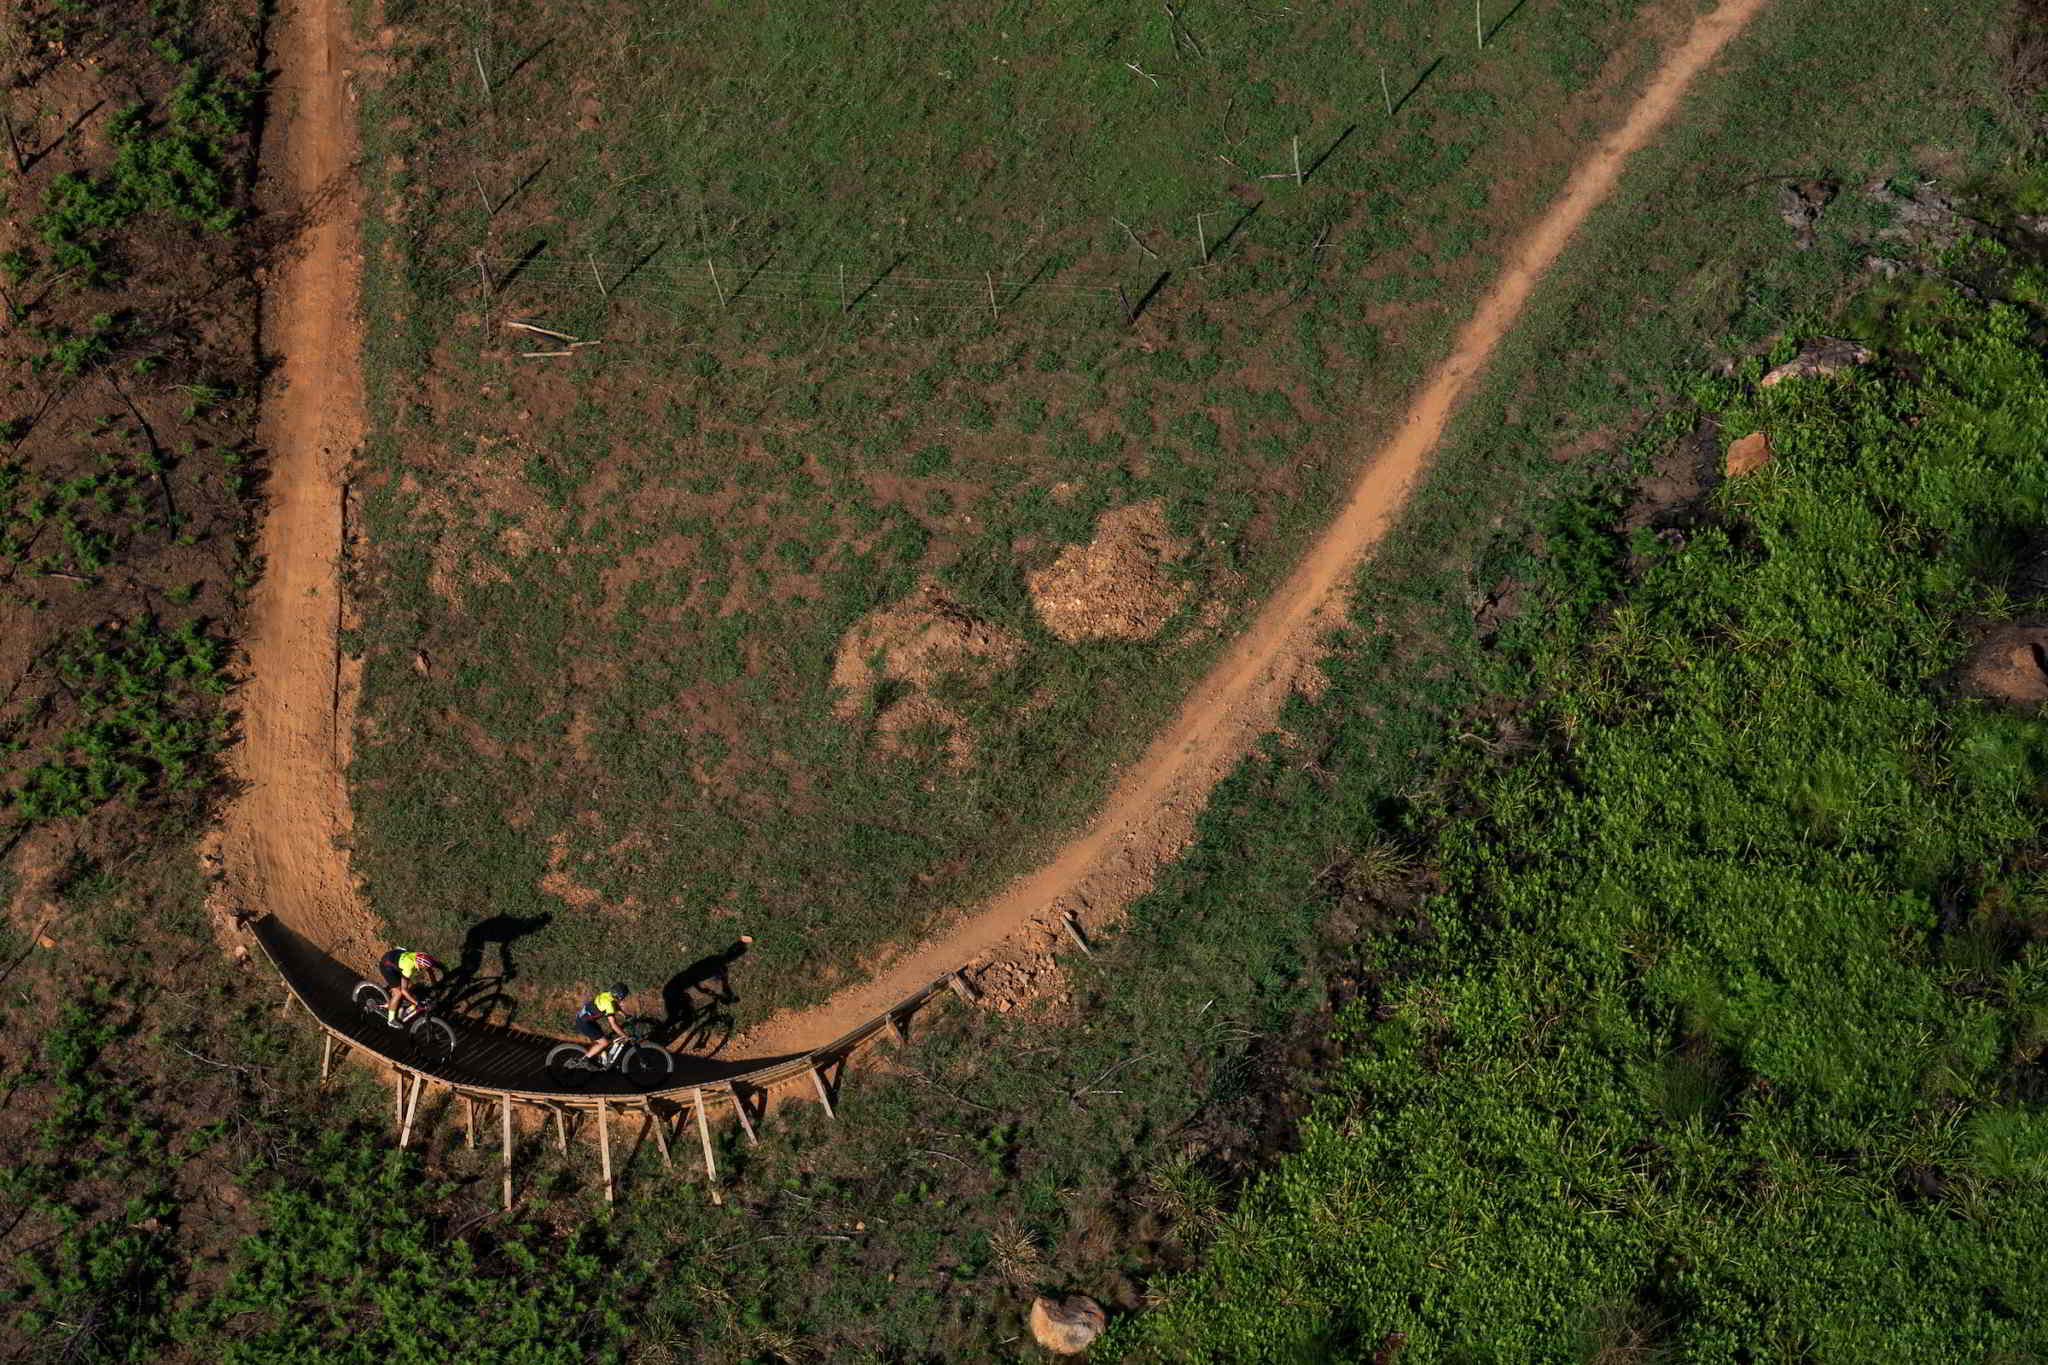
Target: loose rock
1749, 454
1066, 1326
1821, 358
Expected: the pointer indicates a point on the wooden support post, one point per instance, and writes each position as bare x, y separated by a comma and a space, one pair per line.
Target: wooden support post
505, 1122
824, 1094
704, 1137
412, 1109
326, 1057
739, 1106
898, 1027
660, 1131
964, 988
561, 1129
604, 1148
398, 1103
469, 1122
285, 1008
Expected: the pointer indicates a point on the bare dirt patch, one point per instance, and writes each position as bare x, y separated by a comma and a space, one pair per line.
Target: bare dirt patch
2009, 664
1117, 586
917, 642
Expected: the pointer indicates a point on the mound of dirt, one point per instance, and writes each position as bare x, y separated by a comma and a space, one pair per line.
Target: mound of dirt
921, 639
1115, 587
2009, 664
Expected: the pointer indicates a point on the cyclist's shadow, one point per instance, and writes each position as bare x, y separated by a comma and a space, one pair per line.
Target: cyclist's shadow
467, 988
695, 1019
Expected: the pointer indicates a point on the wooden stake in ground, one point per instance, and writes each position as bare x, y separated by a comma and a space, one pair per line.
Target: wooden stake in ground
989, 275
598, 276
704, 1137
604, 1148
561, 1130
469, 1122
13, 144
710, 266
1386, 94
1478, 27
505, 1123
326, 1057
483, 273
398, 1098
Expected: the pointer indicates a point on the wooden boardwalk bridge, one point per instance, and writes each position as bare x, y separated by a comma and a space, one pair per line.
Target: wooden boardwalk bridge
497, 1066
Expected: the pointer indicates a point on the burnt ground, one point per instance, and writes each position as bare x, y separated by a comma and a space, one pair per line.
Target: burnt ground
131, 254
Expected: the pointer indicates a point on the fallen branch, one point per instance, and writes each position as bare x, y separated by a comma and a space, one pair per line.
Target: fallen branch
1134, 238
1142, 72
529, 327
531, 354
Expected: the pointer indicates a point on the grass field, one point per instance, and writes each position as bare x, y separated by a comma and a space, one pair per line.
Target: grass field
768, 618
1720, 1033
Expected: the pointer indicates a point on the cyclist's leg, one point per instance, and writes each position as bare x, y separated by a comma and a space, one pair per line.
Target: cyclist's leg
590, 1029
394, 988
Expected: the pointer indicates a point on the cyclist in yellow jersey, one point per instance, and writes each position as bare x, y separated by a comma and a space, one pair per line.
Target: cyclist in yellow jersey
600, 1019
401, 969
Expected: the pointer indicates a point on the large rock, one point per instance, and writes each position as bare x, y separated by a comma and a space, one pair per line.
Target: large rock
1820, 359
1800, 203
1066, 1326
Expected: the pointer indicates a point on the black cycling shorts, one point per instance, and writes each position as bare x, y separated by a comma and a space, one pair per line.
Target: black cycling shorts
589, 1028
388, 969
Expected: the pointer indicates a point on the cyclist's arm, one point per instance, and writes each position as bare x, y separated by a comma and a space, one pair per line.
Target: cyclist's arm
616, 1025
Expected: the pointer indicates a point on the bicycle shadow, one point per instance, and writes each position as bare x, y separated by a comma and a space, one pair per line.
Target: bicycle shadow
467, 986
694, 1014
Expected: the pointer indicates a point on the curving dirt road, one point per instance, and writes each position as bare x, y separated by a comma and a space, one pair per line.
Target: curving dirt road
284, 840
287, 832
1150, 816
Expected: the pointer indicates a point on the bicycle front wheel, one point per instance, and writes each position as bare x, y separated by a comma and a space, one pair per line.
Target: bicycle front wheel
434, 1039
566, 1068
649, 1065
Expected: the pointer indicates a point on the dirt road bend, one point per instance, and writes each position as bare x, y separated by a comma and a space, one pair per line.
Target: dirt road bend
283, 844
1150, 816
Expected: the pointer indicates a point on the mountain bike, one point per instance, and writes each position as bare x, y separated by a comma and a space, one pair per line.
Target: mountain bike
432, 1039
631, 1056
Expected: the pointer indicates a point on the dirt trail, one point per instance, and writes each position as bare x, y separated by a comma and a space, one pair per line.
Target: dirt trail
1150, 816
284, 837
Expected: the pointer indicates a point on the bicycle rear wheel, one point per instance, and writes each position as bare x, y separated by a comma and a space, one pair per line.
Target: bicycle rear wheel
370, 998
565, 1067
433, 1039
647, 1064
